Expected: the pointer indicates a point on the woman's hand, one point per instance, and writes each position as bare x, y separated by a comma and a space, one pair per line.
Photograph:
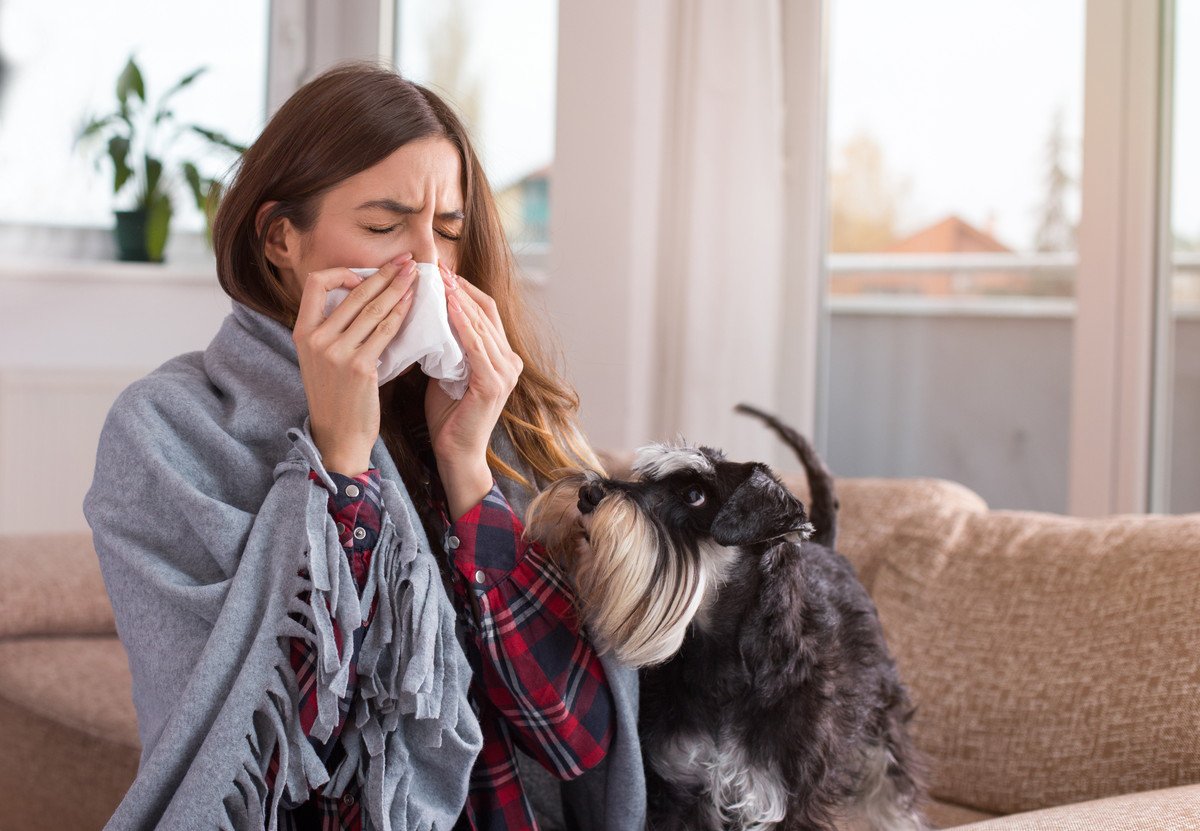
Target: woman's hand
460, 430
338, 356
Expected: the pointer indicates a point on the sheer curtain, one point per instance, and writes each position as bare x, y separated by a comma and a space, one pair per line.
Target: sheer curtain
670, 226
722, 224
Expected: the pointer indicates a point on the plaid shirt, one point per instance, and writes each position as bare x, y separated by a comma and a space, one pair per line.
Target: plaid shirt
537, 683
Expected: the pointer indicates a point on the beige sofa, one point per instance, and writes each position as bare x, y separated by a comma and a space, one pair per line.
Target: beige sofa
1055, 663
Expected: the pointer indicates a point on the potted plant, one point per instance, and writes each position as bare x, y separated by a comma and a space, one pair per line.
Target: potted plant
137, 139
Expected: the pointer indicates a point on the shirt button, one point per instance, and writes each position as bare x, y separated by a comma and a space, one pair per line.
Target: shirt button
341, 529
453, 541
348, 799
479, 576
351, 490
359, 533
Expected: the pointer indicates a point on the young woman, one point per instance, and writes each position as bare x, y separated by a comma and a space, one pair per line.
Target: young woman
354, 691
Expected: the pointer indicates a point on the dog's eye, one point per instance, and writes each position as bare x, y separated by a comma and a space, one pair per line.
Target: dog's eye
695, 497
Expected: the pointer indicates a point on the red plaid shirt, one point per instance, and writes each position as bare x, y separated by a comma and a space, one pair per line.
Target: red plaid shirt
537, 683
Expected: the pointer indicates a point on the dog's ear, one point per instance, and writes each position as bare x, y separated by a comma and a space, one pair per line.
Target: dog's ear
759, 509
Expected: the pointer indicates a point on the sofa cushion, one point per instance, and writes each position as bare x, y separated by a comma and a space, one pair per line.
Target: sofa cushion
880, 515
947, 815
1169, 809
38, 572
70, 733
1052, 659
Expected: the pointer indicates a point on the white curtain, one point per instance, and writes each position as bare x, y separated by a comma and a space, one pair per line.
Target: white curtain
685, 254
721, 243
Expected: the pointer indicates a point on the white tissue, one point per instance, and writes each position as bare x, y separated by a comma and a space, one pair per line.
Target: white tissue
425, 337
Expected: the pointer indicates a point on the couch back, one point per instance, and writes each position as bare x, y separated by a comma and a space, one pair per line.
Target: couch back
1052, 659
50, 584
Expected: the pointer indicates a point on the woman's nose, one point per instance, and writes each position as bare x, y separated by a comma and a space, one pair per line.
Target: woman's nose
424, 247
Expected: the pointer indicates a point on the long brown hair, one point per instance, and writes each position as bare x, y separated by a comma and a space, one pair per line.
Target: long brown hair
344, 121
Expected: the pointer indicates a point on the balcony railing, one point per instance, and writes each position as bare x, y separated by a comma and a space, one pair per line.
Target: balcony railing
1033, 284
967, 385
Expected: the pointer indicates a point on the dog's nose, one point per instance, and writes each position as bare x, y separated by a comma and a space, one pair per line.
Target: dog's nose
589, 497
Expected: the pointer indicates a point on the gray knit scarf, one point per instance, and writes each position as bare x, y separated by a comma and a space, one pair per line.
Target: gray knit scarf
203, 515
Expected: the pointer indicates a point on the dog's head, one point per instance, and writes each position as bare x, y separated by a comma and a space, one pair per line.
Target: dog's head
645, 555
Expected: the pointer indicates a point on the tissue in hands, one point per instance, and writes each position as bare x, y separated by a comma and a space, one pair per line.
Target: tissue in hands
425, 337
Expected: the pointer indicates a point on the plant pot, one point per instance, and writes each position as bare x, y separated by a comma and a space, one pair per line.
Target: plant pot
131, 236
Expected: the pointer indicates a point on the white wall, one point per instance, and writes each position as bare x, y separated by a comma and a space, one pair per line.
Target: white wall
72, 337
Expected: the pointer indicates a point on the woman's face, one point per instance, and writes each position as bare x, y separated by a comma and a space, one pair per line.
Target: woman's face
411, 202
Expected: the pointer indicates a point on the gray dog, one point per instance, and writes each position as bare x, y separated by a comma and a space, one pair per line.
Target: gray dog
769, 698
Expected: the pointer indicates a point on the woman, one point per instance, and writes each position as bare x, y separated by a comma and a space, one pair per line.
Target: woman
352, 633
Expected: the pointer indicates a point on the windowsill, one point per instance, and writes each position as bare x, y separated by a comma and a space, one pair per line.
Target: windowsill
92, 271
65, 254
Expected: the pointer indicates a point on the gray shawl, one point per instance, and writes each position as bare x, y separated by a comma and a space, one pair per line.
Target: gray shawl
202, 515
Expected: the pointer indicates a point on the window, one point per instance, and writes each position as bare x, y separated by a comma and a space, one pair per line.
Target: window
45, 97
495, 63
1178, 474
955, 135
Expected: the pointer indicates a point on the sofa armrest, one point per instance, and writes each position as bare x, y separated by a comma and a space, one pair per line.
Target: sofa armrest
50, 584
1168, 809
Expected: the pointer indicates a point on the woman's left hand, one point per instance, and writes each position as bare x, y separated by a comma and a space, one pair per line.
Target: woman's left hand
460, 430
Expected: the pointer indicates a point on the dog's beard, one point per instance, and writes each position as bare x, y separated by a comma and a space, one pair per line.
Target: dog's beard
637, 593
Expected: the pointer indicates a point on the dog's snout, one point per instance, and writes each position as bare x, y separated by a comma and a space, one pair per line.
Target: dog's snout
590, 496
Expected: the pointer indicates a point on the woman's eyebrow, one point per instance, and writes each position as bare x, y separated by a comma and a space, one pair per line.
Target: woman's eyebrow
400, 208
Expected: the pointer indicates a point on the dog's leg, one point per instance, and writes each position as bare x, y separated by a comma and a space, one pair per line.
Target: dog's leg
887, 800
893, 772
670, 807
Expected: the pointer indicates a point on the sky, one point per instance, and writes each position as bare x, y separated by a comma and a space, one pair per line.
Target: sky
960, 94
511, 52
961, 97
1185, 195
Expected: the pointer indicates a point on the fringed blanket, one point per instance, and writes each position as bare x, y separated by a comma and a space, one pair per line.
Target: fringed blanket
204, 518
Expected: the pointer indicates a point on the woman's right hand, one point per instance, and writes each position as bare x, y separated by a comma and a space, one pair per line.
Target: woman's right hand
338, 356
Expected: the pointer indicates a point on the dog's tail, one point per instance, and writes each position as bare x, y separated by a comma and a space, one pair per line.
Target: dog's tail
823, 502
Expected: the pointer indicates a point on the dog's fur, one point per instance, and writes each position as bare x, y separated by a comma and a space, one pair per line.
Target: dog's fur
769, 699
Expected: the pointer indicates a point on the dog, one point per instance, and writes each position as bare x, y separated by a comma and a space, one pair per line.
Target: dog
769, 699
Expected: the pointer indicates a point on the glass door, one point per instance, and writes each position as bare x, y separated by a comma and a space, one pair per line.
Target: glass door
1176, 469
955, 144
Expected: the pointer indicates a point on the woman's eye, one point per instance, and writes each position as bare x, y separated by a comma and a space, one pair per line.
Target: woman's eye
448, 236
387, 230
695, 497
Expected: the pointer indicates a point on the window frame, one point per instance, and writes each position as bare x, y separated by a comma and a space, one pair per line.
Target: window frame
1119, 448
1121, 236
1115, 411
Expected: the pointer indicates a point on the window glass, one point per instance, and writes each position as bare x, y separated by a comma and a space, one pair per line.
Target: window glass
60, 62
1182, 363
955, 136
495, 62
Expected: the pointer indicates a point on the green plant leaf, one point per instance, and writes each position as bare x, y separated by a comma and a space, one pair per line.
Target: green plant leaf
207, 193
212, 201
158, 225
94, 126
192, 175
182, 83
118, 149
129, 81
153, 175
219, 139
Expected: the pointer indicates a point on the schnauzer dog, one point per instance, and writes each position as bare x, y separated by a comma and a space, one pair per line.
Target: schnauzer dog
769, 699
